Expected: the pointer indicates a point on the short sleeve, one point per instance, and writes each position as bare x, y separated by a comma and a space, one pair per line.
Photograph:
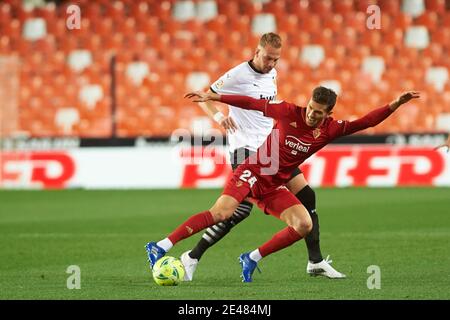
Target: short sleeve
229, 83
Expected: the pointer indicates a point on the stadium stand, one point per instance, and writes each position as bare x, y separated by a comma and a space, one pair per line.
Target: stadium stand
165, 48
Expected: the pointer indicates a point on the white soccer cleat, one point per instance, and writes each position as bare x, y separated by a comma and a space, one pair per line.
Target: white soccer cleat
189, 266
323, 268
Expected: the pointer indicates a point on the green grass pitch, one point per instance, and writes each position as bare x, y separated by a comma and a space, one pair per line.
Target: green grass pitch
404, 231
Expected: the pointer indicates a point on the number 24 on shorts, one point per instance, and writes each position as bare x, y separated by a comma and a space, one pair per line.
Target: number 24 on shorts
246, 176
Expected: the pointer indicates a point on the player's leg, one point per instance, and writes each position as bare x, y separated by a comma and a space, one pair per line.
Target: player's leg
285, 206
216, 232
220, 211
299, 186
316, 264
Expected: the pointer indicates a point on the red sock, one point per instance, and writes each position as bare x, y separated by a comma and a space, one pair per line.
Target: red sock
280, 240
192, 225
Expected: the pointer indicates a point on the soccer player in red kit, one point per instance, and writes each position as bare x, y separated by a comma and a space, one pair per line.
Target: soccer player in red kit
298, 134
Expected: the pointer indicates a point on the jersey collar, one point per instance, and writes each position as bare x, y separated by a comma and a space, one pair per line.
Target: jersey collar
250, 63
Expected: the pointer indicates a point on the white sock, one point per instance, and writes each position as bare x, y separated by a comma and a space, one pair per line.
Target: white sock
166, 244
191, 259
255, 255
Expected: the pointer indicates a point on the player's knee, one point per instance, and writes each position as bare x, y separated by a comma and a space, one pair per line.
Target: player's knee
303, 226
222, 210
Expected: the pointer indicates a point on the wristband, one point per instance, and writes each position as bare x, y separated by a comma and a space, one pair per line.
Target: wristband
218, 116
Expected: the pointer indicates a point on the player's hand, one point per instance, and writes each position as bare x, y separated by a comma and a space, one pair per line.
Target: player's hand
228, 124
404, 98
199, 96
407, 96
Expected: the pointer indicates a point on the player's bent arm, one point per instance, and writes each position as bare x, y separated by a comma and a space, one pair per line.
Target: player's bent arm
210, 109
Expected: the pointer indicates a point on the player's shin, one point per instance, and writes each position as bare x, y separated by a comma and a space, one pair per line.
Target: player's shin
307, 197
191, 226
280, 240
216, 232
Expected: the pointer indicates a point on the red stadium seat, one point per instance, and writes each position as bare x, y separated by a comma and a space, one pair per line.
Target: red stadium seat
429, 20
389, 7
334, 22
393, 37
343, 6
300, 8
402, 21
323, 8
435, 5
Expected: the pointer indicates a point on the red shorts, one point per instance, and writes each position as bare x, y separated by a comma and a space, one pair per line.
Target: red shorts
271, 199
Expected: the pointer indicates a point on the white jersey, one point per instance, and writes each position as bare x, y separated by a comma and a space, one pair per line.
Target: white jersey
253, 126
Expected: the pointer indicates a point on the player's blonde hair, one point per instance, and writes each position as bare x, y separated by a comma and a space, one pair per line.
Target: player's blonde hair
272, 39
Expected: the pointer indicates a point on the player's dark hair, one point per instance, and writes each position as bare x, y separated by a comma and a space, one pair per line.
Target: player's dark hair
324, 96
270, 38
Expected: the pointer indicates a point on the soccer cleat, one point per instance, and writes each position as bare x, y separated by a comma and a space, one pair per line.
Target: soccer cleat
248, 267
190, 264
154, 253
323, 268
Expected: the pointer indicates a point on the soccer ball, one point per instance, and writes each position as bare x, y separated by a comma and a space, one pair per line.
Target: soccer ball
168, 271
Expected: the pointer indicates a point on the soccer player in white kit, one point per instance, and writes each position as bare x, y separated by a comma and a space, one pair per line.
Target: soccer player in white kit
246, 131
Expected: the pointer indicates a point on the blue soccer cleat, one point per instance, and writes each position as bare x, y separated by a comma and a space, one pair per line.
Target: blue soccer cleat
154, 253
248, 267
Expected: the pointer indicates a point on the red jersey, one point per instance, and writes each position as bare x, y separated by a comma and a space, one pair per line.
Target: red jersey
292, 141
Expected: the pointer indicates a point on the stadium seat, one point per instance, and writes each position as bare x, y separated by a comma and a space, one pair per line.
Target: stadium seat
373, 66
90, 94
197, 81
356, 21
428, 19
372, 39
438, 77
413, 8
324, 7
389, 7
78, 60
417, 37
343, 6
66, 118
334, 22
206, 10
334, 85
298, 7
263, 23
312, 55
184, 10
402, 21
437, 6
393, 37
136, 71
277, 8
34, 28
443, 122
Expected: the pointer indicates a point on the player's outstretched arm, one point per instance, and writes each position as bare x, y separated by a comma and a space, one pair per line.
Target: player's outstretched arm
403, 98
377, 116
243, 102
